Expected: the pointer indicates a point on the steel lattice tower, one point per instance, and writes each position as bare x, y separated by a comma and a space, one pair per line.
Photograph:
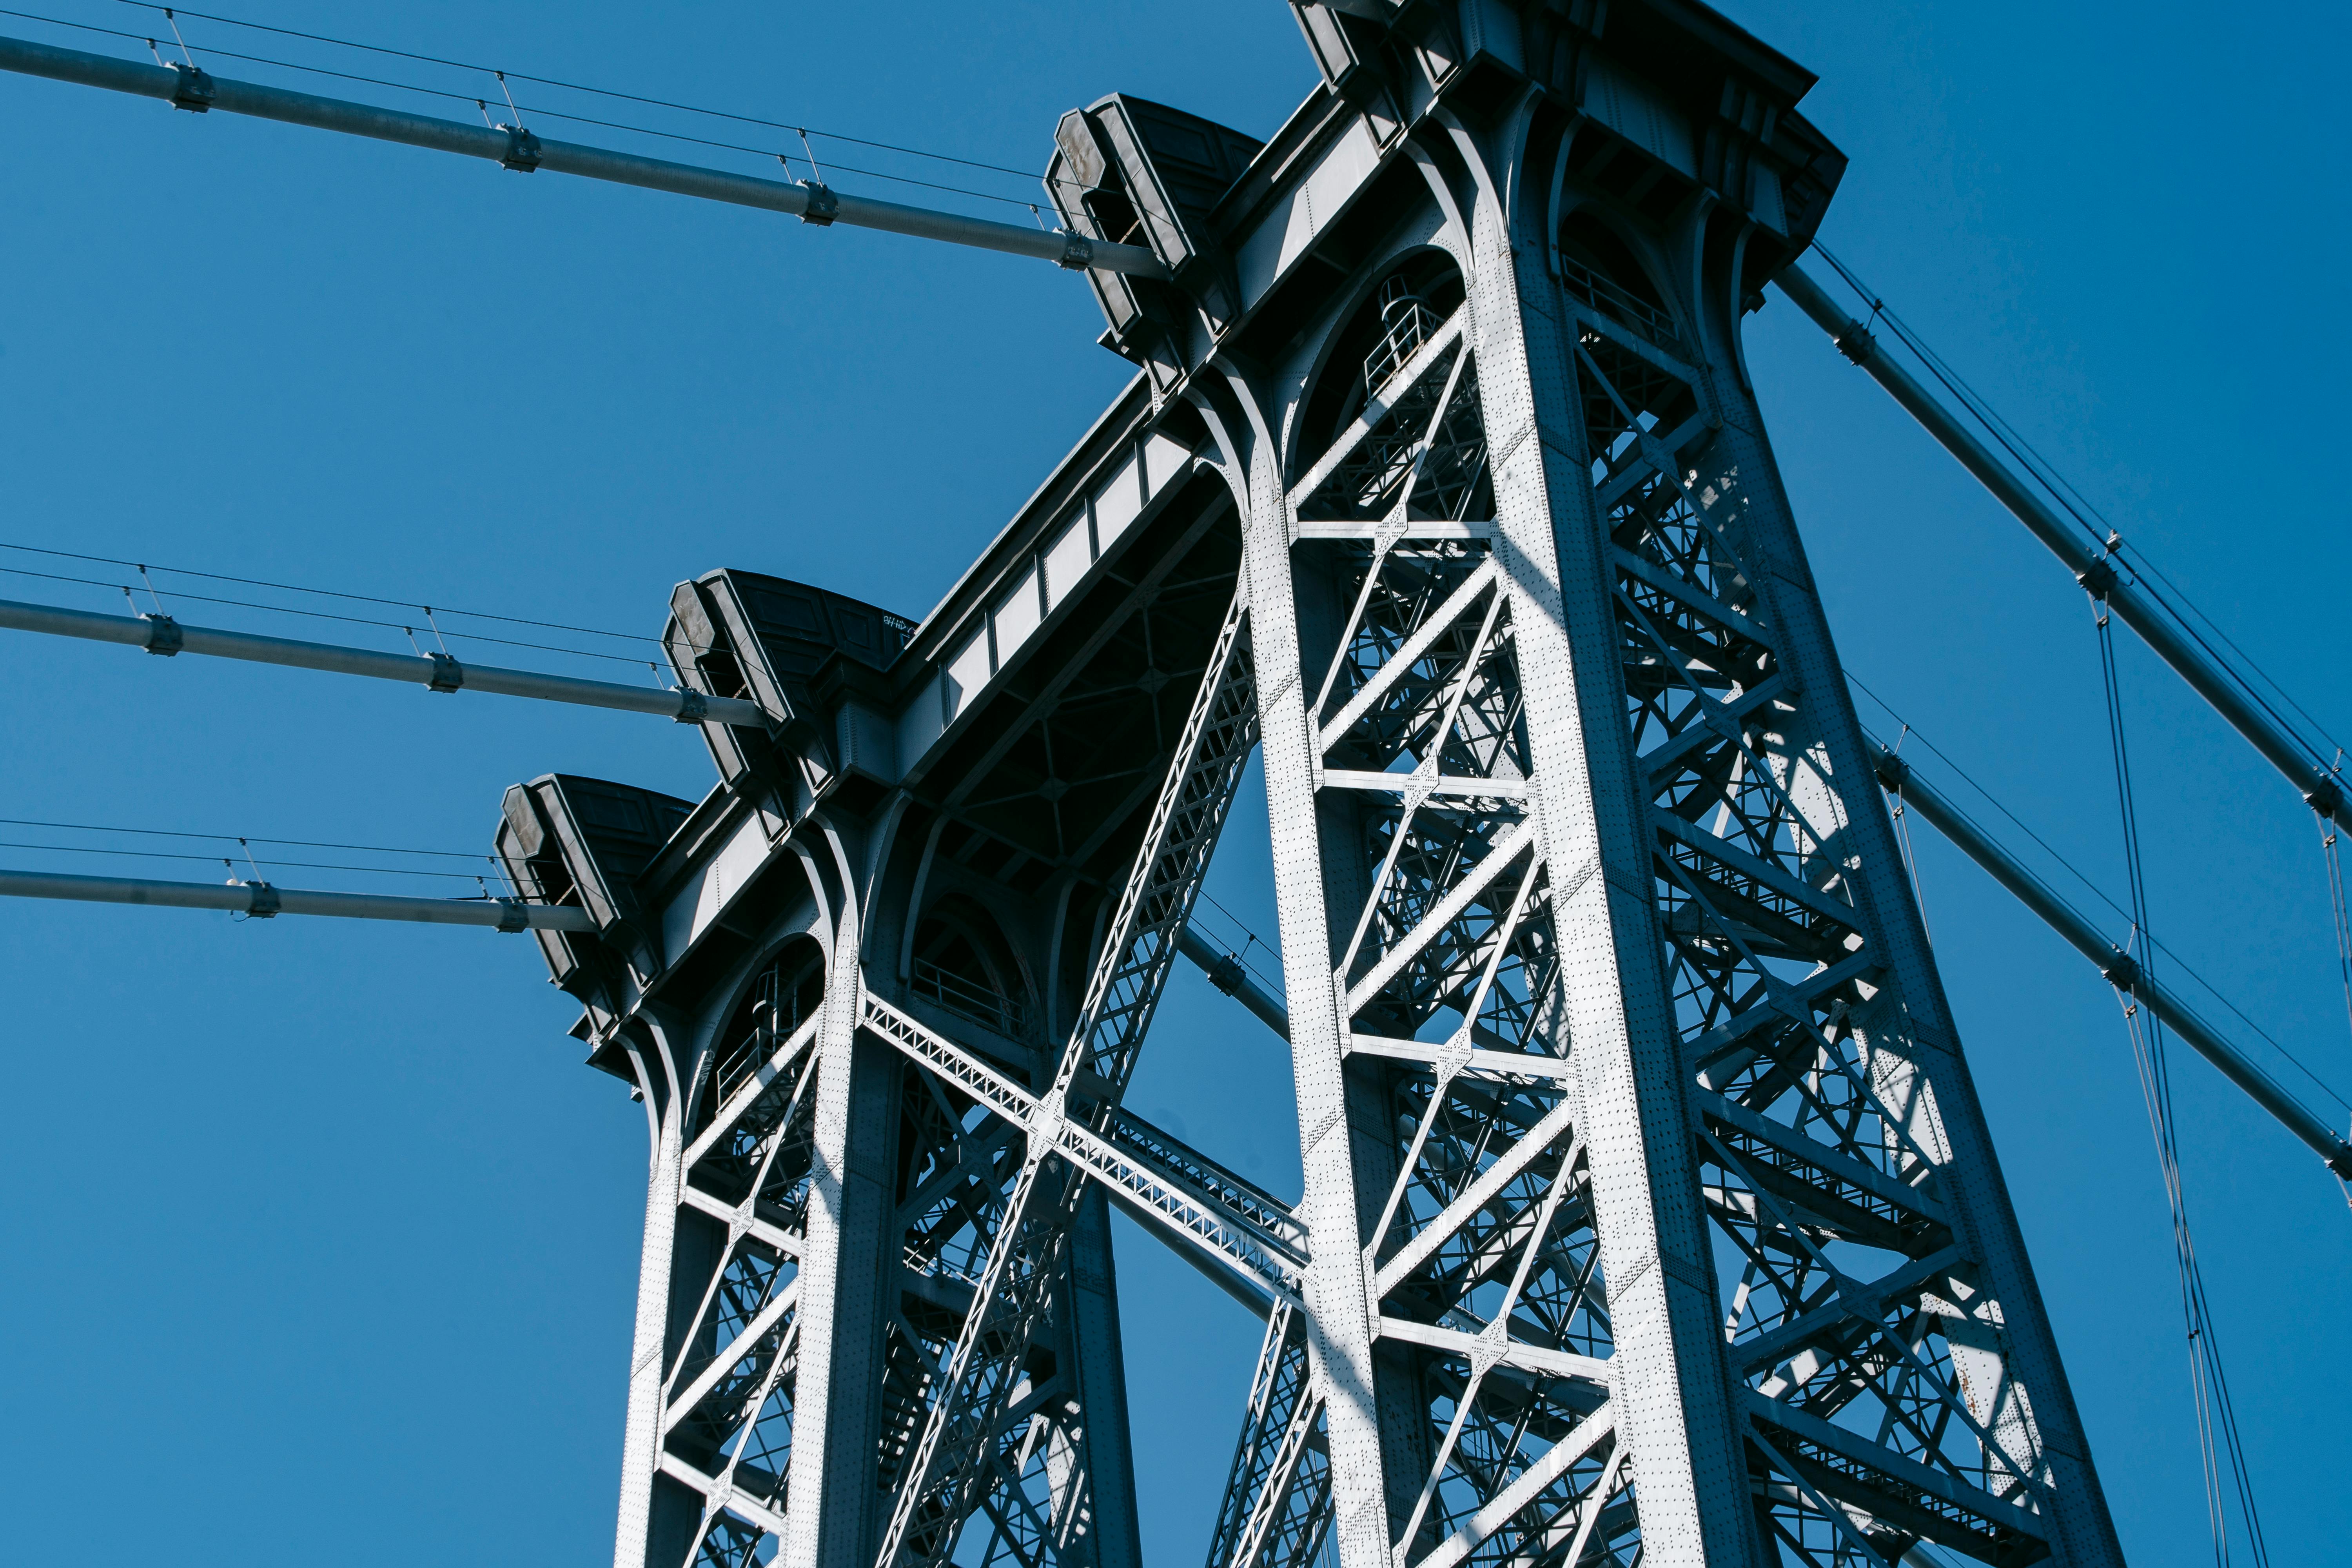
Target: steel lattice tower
1649, 1209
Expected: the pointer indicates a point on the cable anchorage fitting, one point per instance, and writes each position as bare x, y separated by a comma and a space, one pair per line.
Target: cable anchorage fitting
823, 207
263, 901
1892, 771
1077, 252
2098, 579
2122, 971
511, 916
693, 707
2325, 798
192, 89
522, 149
164, 634
449, 675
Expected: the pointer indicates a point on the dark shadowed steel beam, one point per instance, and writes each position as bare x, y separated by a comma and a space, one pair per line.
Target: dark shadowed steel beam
1225, 973
2321, 790
184, 87
263, 899
2120, 969
439, 672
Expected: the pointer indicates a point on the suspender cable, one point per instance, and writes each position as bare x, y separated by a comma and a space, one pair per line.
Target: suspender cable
185, 87
2217, 1422
2086, 938
263, 899
2140, 610
439, 672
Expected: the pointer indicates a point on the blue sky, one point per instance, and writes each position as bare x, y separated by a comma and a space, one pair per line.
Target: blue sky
319, 1229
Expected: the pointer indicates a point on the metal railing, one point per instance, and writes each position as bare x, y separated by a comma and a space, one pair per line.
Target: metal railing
1616, 301
959, 995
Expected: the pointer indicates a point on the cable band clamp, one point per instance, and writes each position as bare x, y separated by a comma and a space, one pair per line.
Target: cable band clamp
2122, 972
693, 707
163, 636
192, 89
1892, 771
1856, 343
1225, 974
512, 917
522, 149
2098, 579
1077, 252
823, 207
449, 675
263, 901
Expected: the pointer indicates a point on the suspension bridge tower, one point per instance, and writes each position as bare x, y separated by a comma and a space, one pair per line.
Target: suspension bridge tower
1649, 1210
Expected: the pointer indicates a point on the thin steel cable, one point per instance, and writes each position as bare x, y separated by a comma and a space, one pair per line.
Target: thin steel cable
1250, 940
545, 112
1910, 857
2217, 1428
2328, 849
334, 594
226, 860
2096, 891
238, 839
604, 92
2030, 458
330, 615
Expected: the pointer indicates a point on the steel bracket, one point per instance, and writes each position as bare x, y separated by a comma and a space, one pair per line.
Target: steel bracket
823, 205
193, 91
522, 149
163, 636
449, 675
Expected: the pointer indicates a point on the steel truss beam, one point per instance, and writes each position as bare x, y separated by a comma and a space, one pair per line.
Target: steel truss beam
957, 1464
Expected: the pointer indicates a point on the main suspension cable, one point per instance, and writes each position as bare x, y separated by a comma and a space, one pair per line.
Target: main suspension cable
2180, 965
2216, 1425
605, 92
2241, 669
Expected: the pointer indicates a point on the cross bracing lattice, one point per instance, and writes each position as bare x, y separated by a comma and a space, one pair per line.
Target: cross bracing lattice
1647, 1212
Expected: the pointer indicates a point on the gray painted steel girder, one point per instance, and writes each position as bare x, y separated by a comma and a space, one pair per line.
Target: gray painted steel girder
519, 150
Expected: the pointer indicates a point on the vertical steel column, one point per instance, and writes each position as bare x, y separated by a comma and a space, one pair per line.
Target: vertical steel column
848, 1271
1668, 1374
664, 1081
1339, 1330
